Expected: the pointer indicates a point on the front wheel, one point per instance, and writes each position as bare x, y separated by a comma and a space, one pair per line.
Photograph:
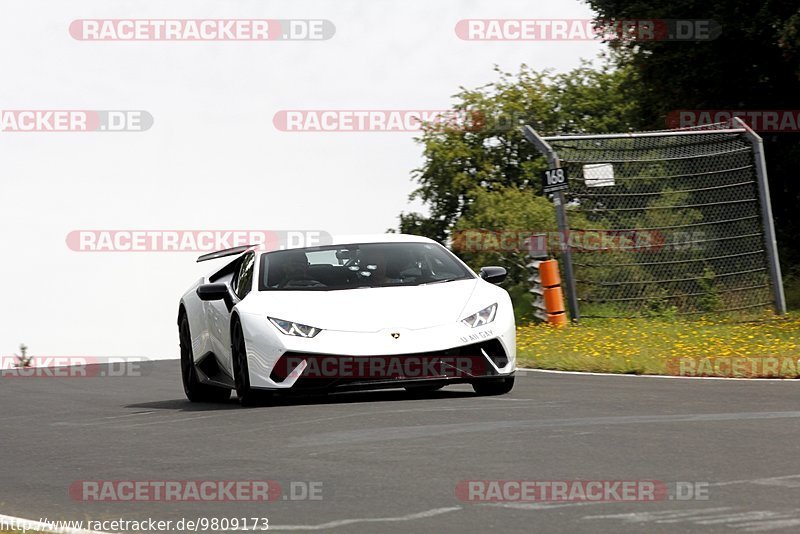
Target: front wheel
195, 390
241, 370
494, 386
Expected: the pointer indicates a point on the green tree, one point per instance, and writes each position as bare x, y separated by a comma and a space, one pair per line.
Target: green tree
485, 176
493, 232
754, 64
492, 154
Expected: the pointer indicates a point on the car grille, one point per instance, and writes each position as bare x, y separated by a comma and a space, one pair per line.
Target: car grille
323, 370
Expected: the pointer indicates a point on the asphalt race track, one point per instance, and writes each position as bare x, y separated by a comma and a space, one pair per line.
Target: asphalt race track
389, 461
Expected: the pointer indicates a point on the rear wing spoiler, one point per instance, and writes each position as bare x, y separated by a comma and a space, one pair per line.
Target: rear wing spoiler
223, 253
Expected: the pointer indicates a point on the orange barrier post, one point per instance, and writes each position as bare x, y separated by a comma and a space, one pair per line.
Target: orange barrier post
552, 293
553, 300
548, 272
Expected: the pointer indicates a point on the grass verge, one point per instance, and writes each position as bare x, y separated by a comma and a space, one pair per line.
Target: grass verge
766, 347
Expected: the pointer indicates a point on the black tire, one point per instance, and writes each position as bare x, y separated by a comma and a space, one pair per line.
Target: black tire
499, 386
241, 370
194, 389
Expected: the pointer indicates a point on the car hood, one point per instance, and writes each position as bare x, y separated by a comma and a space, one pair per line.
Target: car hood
366, 309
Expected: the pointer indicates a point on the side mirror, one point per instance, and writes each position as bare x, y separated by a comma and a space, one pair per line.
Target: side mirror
211, 292
493, 275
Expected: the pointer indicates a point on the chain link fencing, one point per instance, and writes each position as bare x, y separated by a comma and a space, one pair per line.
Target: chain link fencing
668, 223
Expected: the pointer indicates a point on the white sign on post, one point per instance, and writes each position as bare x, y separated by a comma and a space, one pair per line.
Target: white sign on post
598, 175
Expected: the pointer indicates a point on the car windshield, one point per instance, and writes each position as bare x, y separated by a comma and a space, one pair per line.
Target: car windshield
358, 266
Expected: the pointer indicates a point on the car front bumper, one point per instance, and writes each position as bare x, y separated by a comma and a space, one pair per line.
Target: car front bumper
451, 353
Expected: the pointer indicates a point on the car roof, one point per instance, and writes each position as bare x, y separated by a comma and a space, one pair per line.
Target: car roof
357, 239
379, 238
333, 240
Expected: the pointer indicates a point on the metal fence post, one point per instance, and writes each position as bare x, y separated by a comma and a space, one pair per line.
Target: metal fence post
561, 217
766, 214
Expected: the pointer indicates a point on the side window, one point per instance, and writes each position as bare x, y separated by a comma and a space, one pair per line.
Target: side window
243, 280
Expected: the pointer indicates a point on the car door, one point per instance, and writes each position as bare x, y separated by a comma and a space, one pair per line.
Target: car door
220, 315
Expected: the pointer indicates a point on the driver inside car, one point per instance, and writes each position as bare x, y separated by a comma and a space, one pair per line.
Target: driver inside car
373, 267
295, 269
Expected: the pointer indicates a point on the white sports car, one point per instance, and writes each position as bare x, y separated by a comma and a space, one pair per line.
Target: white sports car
371, 312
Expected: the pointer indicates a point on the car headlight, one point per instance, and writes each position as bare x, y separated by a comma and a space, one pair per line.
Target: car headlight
485, 316
294, 329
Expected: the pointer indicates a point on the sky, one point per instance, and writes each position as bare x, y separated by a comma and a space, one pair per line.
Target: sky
213, 159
